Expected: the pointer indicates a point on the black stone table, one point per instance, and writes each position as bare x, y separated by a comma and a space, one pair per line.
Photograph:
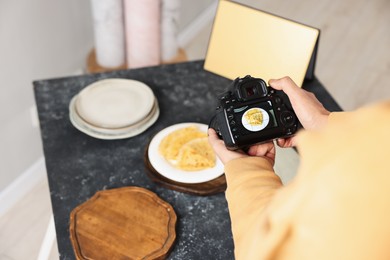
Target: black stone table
78, 165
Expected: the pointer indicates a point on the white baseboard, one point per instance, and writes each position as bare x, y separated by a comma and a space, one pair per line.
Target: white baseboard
22, 185
188, 34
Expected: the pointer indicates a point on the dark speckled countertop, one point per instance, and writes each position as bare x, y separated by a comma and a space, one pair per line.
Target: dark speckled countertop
79, 165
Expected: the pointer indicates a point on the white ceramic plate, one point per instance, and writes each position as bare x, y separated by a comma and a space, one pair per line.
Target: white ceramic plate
114, 103
162, 166
110, 134
111, 131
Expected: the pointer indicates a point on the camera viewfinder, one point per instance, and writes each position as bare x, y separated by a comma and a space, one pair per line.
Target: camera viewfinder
252, 90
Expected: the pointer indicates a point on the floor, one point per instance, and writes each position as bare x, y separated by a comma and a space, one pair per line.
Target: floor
23, 227
353, 63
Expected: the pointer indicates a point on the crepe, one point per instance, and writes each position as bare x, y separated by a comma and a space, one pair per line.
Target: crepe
187, 149
254, 117
196, 155
171, 144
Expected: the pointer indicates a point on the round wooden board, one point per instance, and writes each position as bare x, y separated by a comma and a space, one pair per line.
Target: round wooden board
123, 223
214, 186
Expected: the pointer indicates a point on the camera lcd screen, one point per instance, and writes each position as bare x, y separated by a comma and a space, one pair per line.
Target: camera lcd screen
256, 117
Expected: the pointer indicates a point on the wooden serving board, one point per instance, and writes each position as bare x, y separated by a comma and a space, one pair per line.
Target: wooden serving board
123, 223
214, 186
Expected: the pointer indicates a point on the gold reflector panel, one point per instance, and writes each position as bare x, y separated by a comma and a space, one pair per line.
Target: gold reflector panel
247, 41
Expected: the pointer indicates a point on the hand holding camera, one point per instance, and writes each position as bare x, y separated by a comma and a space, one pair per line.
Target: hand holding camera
253, 113
310, 112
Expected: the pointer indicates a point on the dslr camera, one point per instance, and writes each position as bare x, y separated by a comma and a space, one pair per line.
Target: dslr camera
251, 112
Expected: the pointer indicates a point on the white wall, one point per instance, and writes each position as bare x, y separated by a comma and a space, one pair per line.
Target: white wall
190, 9
38, 39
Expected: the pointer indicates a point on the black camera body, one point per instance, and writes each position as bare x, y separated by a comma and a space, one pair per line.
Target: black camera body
251, 113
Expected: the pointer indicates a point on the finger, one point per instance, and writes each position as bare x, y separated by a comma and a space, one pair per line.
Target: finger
281, 142
286, 84
220, 149
266, 150
214, 140
261, 149
213, 136
211, 132
286, 142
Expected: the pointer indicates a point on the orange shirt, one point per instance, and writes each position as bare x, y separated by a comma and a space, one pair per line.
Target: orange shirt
338, 205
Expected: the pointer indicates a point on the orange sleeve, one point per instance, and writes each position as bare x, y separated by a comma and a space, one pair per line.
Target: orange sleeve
251, 185
337, 206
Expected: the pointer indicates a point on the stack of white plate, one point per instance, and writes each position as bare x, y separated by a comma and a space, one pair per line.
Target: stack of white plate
114, 109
